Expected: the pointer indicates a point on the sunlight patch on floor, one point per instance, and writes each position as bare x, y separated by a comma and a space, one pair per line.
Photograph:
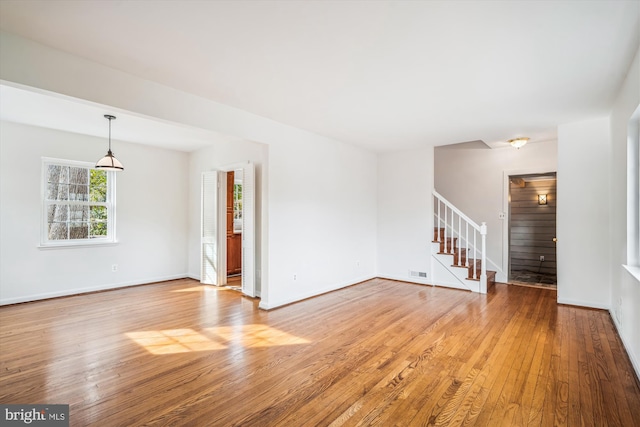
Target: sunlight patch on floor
172, 341
255, 336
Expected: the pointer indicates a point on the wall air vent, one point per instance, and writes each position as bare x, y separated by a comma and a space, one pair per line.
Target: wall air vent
420, 274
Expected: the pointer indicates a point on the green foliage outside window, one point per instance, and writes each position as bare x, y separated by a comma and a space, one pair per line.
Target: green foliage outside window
98, 193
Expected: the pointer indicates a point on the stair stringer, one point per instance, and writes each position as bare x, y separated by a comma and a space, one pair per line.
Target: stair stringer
450, 276
500, 274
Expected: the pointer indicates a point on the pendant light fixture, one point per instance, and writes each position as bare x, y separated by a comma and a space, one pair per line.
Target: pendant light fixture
109, 162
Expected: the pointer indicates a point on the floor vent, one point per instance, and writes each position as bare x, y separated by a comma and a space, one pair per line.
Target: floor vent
421, 274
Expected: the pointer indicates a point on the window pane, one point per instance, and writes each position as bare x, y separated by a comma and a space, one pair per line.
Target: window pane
79, 213
78, 175
57, 191
98, 221
79, 230
59, 174
79, 192
58, 231
98, 228
54, 172
98, 191
57, 213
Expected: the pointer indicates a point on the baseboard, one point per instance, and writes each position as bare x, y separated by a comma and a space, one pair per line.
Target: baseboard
634, 362
270, 305
405, 279
79, 291
579, 303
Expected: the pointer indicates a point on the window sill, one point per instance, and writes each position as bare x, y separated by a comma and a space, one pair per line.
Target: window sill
634, 271
76, 245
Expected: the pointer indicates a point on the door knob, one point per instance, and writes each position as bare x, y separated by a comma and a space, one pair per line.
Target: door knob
555, 239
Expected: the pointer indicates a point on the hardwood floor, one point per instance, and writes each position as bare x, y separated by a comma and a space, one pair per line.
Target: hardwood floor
381, 352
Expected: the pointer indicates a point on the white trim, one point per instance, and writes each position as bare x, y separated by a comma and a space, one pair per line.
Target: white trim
249, 272
588, 304
110, 204
633, 188
80, 291
633, 271
79, 245
271, 305
505, 209
634, 362
404, 279
248, 230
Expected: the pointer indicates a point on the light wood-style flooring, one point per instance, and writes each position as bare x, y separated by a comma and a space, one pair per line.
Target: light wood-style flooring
379, 353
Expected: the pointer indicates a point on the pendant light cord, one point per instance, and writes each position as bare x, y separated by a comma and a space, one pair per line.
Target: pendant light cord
109, 134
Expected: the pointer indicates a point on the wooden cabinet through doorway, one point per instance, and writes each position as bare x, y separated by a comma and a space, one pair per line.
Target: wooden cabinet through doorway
234, 240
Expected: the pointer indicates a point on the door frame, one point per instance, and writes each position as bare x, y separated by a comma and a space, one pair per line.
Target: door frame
507, 174
248, 230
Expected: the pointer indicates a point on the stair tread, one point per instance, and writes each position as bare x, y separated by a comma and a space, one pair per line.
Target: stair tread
459, 255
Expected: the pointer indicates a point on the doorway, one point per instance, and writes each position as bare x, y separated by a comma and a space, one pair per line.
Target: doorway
234, 229
532, 229
218, 225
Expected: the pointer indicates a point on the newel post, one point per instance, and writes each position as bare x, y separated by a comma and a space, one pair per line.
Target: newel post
483, 264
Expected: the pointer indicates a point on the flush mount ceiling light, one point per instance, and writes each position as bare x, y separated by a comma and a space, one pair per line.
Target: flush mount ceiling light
518, 142
109, 162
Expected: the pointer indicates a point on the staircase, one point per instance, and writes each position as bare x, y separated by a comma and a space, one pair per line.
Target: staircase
455, 247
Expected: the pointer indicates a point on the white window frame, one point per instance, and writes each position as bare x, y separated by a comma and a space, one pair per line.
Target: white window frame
110, 203
633, 195
237, 207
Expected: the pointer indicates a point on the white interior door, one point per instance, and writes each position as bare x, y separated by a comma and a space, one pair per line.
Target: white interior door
248, 230
211, 267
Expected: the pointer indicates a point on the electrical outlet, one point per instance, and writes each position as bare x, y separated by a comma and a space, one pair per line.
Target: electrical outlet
295, 276
502, 215
114, 267
541, 257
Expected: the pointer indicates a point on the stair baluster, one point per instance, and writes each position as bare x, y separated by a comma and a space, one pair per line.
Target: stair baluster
451, 240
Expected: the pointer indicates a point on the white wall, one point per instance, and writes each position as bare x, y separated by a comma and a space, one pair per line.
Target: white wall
151, 217
405, 226
583, 219
322, 218
321, 213
219, 155
625, 288
472, 177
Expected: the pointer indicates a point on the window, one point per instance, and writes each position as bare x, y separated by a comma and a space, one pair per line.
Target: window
78, 204
237, 207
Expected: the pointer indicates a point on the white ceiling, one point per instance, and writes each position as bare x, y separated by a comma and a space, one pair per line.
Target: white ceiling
384, 75
55, 111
